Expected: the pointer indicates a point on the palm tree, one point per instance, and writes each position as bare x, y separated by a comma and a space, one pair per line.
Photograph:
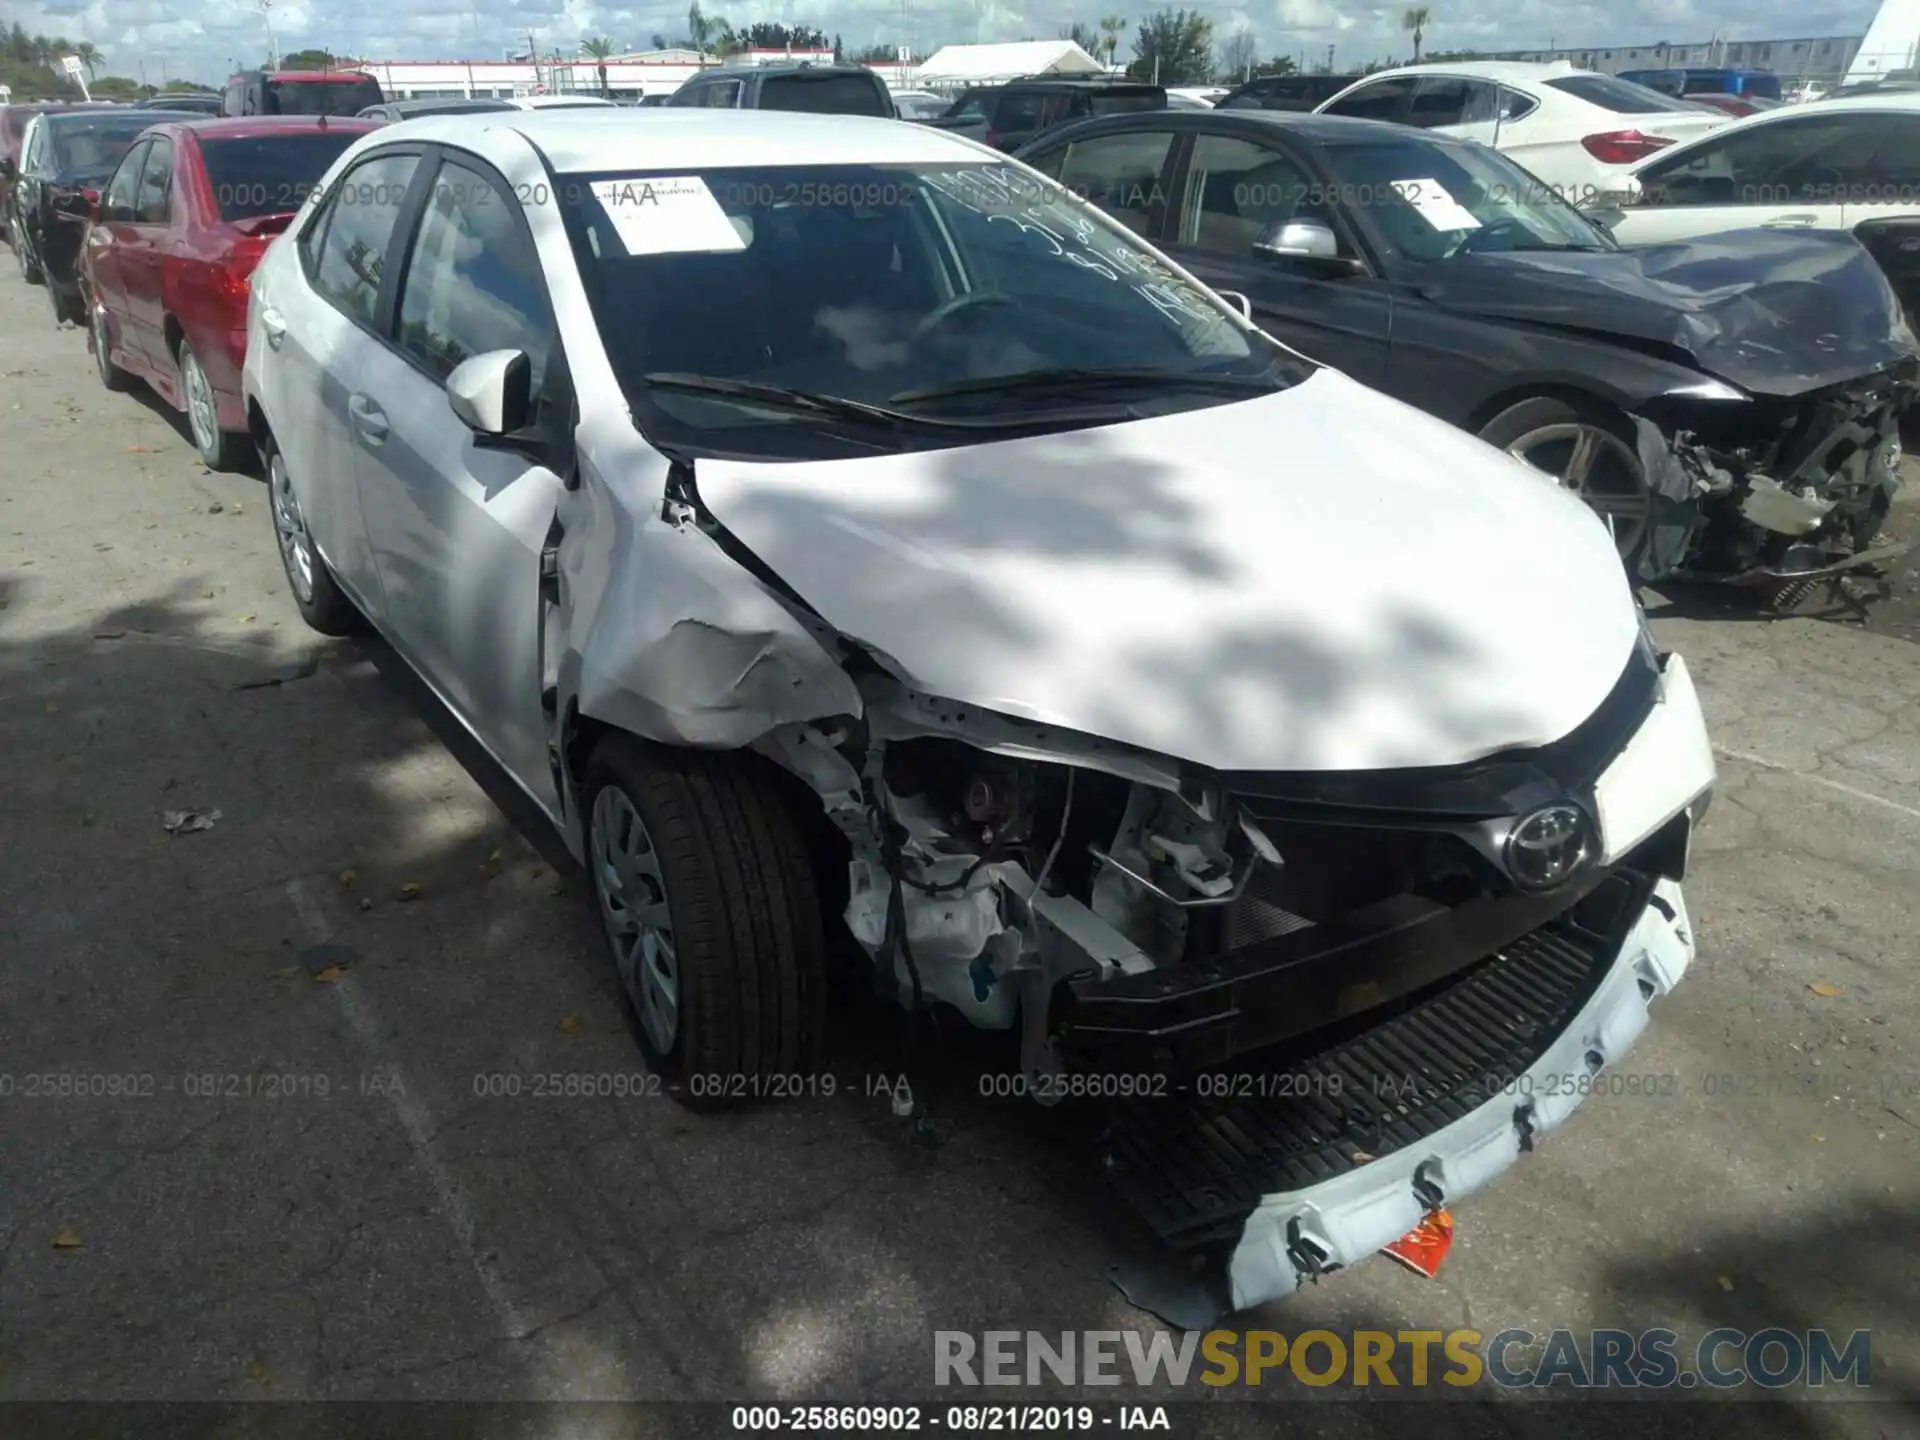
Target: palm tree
44, 53
90, 56
1112, 27
1417, 19
598, 48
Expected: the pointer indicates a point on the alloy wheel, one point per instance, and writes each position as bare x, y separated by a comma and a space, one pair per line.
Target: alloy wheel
633, 907
202, 415
290, 529
1599, 467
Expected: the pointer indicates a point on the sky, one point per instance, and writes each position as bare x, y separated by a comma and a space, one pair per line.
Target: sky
201, 39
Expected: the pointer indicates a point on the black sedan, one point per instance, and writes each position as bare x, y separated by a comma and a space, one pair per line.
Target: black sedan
1731, 406
66, 158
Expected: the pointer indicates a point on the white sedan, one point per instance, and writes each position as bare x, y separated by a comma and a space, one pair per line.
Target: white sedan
861, 549
1578, 132
1838, 165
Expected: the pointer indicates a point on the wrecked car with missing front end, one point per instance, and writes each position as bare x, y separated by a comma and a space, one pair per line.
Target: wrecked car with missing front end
992, 608
1776, 465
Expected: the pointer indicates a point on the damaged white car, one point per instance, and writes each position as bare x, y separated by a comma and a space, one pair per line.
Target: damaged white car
827, 526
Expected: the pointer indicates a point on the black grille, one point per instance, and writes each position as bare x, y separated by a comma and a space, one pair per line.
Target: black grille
1194, 1166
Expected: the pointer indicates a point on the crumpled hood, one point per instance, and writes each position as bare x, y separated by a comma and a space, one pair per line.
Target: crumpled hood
1775, 312
1318, 579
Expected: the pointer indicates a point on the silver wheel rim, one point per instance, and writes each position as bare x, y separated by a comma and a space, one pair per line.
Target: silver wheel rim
201, 414
290, 528
633, 906
1596, 465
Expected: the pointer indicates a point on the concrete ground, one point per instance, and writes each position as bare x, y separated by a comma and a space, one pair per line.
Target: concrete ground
361, 1220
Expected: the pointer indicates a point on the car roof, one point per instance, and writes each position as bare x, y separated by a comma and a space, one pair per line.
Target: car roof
1890, 99
616, 138
1304, 126
342, 77
1512, 72
151, 117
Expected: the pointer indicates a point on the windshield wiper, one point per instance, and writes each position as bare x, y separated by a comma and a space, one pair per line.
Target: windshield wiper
800, 402
1041, 382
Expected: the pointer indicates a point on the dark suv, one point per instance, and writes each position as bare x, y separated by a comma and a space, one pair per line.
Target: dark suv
812, 89
1285, 92
1008, 116
300, 92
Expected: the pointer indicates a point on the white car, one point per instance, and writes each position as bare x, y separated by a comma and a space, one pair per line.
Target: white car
841, 534
1848, 164
1578, 132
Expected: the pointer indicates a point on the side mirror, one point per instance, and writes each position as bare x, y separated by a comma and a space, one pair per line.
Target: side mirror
1239, 302
9, 169
492, 393
1310, 241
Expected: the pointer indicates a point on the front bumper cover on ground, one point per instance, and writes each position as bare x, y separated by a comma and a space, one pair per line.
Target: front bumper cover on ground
1293, 1236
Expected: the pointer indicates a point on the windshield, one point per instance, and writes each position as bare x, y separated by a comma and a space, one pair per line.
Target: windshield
97, 142
1434, 200
877, 284
269, 174
322, 97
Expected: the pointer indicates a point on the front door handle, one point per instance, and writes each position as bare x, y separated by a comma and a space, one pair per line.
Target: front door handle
369, 420
1791, 222
275, 325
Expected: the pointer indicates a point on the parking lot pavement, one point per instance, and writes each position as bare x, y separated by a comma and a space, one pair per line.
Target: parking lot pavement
301, 1186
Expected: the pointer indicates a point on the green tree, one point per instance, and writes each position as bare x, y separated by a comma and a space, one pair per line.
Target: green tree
1112, 27
1084, 36
90, 57
1417, 19
119, 87
1173, 47
1238, 54
700, 30
308, 60
597, 48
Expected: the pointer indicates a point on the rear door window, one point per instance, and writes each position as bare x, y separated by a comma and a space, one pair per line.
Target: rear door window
321, 97
1382, 100
117, 207
825, 95
354, 233
1019, 112
1121, 174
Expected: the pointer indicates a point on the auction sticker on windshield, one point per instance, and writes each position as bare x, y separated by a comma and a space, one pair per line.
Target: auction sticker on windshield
667, 215
1435, 204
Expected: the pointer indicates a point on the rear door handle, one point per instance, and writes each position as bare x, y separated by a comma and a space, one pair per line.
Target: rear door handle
1791, 222
275, 325
368, 419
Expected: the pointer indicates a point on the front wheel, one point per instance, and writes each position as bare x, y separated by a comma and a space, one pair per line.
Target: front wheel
706, 893
1590, 449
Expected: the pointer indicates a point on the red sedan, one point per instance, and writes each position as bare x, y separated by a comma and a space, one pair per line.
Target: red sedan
177, 233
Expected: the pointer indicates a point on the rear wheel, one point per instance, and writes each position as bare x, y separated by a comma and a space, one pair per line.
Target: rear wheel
1590, 449
29, 271
100, 342
322, 604
221, 449
706, 893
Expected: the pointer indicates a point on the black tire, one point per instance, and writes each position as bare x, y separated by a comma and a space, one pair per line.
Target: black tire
29, 271
748, 939
111, 375
1542, 412
324, 607
222, 450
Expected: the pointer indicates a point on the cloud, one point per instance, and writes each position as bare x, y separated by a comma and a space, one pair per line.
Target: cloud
199, 39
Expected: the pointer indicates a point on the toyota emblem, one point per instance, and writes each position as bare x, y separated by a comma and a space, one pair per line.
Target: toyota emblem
1549, 847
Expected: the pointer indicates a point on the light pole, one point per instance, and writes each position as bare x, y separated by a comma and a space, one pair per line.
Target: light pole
266, 19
